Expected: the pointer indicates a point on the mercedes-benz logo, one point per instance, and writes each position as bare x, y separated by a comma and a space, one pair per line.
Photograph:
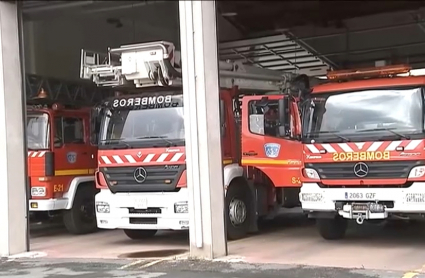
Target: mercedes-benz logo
361, 169
140, 175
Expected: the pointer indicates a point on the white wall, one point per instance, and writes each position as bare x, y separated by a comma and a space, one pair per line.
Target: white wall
52, 48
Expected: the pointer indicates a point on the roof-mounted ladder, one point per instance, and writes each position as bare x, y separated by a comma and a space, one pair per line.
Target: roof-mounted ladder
158, 64
63, 91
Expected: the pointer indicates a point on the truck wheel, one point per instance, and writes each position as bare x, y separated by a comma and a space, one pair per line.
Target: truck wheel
332, 229
139, 234
238, 207
81, 218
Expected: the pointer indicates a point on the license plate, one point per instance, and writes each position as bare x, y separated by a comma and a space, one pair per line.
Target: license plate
360, 196
141, 203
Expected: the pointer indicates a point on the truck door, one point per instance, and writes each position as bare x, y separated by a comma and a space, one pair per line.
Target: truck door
73, 151
265, 145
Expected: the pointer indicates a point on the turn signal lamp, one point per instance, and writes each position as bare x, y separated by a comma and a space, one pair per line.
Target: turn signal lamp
374, 72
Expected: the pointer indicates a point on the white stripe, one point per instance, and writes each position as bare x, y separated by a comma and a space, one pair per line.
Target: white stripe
412, 145
176, 157
29, 153
118, 159
345, 147
359, 145
34, 154
374, 146
328, 148
149, 158
312, 148
106, 159
41, 154
393, 145
130, 158
162, 157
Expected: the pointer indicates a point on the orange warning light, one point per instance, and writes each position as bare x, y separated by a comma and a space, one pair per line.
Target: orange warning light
42, 94
374, 72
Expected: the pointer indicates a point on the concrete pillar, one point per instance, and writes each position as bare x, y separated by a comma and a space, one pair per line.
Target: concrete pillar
30, 46
13, 223
201, 107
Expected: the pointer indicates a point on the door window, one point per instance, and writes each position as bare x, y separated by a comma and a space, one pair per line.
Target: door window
73, 130
264, 120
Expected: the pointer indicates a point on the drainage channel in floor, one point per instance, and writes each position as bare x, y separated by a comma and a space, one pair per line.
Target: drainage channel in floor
153, 254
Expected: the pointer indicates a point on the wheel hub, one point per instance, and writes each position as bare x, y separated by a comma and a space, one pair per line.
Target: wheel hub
237, 212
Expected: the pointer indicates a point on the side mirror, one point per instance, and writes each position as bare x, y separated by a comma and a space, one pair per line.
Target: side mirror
222, 118
300, 87
283, 107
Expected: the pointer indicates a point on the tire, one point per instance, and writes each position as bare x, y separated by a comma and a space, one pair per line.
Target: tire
238, 204
81, 218
140, 234
332, 229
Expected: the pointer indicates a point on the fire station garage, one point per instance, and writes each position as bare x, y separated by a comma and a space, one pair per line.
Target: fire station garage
97, 175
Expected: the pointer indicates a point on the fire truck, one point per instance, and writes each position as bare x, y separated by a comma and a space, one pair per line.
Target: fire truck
61, 163
363, 137
142, 171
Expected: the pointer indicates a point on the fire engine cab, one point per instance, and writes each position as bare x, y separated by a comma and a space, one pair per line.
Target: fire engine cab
363, 137
61, 163
142, 170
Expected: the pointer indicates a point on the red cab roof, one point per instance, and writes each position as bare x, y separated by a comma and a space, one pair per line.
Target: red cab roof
369, 84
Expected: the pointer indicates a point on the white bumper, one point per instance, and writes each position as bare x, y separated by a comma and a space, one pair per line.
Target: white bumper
47, 205
144, 211
406, 200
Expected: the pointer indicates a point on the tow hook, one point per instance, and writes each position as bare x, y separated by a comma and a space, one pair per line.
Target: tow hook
360, 219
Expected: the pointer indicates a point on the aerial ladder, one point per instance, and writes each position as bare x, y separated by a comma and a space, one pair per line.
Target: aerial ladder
156, 64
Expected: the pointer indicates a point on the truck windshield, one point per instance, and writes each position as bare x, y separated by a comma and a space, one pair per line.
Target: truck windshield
144, 126
364, 115
38, 131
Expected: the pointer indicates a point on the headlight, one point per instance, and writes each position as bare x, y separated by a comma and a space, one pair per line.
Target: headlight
181, 207
102, 207
417, 172
38, 191
311, 197
415, 197
311, 174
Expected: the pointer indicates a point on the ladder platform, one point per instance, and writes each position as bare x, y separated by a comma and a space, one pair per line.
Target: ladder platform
159, 64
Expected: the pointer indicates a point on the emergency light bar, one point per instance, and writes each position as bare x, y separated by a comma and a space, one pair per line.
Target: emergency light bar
374, 72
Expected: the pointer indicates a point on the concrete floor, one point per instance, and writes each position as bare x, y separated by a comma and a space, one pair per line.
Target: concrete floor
55, 268
290, 241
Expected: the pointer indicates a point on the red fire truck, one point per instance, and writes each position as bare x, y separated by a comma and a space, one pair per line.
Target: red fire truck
61, 163
363, 135
142, 172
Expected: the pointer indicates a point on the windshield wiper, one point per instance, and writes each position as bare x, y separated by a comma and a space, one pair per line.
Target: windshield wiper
331, 132
116, 141
164, 138
386, 129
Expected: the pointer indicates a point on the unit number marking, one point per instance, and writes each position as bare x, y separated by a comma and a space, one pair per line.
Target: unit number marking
58, 188
295, 180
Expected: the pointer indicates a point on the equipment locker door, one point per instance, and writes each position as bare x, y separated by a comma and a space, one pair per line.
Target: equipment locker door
264, 147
